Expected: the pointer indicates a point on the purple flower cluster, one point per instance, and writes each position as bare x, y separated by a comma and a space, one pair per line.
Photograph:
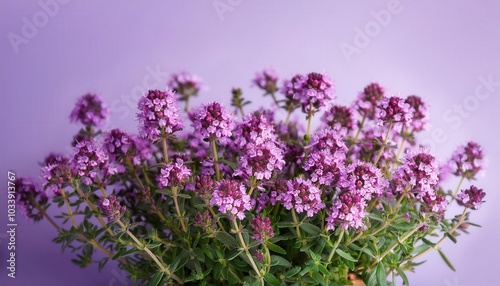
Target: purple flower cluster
436, 205
28, 195
213, 121
159, 115
267, 80
262, 229
367, 149
348, 210
303, 196
292, 89
419, 120
471, 198
204, 187
367, 101
338, 116
119, 144
419, 174
184, 84
89, 161
317, 91
254, 128
467, 161
89, 110
231, 198
111, 208
394, 110
365, 180
205, 221
56, 175
173, 174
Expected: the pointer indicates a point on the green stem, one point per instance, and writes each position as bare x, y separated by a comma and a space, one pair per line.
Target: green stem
335, 246
275, 100
245, 248
297, 225
164, 147
216, 160
175, 192
93, 208
383, 145
358, 132
457, 189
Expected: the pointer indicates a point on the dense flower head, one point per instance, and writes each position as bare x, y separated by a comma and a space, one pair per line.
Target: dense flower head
56, 175
434, 204
303, 196
204, 187
348, 210
369, 146
317, 91
394, 110
260, 160
325, 167
292, 88
269, 196
205, 221
185, 84
119, 144
213, 121
54, 158
255, 127
262, 229
367, 101
328, 139
364, 179
471, 198
173, 174
231, 198
28, 194
158, 111
419, 120
267, 80
339, 116
111, 208
89, 161
89, 110
419, 172
467, 160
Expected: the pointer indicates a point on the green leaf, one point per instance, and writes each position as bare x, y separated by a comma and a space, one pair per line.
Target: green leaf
428, 242
310, 228
179, 261
403, 276
419, 249
381, 276
446, 260
227, 239
345, 255
185, 196
323, 270
372, 279
233, 254
275, 248
278, 260
451, 237
292, 272
156, 279
271, 279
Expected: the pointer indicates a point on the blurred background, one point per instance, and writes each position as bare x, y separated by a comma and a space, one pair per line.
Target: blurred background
53, 51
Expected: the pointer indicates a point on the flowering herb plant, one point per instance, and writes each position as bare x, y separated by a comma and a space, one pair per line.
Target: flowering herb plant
253, 199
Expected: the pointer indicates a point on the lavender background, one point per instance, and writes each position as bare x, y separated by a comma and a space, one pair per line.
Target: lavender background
440, 51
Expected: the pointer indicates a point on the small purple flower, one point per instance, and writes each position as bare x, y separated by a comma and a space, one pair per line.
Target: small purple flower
255, 127
419, 120
260, 160
56, 175
471, 198
54, 159
262, 229
158, 112
267, 80
28, 194
259, 255
185, 85
338, 116
231, 198
292, 89
434, 204
317, 91
324, 167
119, 144
89, 161
467, 160
213, 121
348, 210
89, 110
303, 196
419, 173
328, 139
205, 221
367, 101
365, 180
111, 208
271, 195
173, 174
204, 187
394, 110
